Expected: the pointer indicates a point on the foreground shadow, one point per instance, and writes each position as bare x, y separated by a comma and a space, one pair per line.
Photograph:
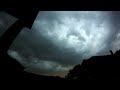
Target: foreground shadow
96, 68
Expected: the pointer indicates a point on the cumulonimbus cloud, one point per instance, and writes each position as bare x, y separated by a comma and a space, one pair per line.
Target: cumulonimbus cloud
59, 40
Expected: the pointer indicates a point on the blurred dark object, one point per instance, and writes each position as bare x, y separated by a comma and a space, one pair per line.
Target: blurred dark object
111, 52
27, 15
97, 68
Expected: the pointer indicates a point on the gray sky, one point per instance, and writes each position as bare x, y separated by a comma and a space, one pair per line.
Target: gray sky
59, 40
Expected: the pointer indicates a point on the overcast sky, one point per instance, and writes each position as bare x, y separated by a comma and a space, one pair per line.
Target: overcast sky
59, 40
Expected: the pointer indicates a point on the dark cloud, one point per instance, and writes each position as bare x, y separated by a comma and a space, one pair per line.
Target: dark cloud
114, 30
60, 40
5, 22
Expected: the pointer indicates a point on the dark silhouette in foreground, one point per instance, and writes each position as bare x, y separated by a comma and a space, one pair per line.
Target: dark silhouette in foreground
95, 68
105, 68
10, 68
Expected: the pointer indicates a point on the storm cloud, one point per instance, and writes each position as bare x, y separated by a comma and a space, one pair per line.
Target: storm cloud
59, 40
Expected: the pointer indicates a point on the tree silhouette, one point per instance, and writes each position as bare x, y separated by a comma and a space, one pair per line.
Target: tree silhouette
73, 73
104, 67
117, 52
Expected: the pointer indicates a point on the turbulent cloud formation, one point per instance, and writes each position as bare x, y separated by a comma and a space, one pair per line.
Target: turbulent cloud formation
59, 40
79, 31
